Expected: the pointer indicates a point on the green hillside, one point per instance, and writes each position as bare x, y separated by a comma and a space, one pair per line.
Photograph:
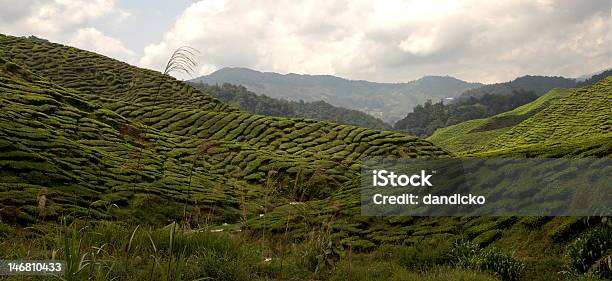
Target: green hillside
559, 115
129, 174
74, 139
598, 146
99, 77
585, 113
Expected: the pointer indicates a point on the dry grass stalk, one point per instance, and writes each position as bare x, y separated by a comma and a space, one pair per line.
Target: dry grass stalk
41, 200
201, 150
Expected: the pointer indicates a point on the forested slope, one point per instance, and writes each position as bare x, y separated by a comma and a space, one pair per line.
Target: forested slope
253, 103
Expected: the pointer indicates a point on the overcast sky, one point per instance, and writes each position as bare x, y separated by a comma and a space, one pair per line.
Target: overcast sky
387, 41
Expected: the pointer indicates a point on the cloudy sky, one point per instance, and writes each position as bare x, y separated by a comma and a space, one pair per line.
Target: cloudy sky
387, 41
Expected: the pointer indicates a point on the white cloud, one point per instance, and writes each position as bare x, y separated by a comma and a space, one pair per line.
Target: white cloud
423, 44
395, 40
93, 40
52, 17
382, 40
65, 21
61, 14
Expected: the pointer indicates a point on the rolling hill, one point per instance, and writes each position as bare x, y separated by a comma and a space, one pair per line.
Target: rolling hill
486, 101
561, 115
387, 101
113, 138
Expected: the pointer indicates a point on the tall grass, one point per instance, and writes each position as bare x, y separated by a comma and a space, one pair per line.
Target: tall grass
587, 249
104, 250
182, 60
200, 152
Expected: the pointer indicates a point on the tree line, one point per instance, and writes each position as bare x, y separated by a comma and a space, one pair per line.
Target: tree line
248, 101
425, 119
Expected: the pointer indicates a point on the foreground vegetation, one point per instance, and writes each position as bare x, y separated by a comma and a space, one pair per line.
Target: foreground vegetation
110, 250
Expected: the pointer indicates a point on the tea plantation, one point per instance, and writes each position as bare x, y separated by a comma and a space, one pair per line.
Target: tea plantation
129, 174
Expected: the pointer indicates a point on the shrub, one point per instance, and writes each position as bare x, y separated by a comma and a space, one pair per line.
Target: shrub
464, 253
586, 250
570, 228
534, 221
469, 255
487, 237
503, 264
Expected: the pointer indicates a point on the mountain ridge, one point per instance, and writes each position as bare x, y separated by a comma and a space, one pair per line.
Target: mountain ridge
538, 84
330, 76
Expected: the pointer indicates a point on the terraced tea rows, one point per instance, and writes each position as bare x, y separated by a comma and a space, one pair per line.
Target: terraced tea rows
473, 134
99, 77
136, 101
173, 153
297, 137
79, 155
599, 147
85, 159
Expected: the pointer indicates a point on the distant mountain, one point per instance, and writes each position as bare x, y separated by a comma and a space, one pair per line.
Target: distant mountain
388, 101
261, 104
539, 85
